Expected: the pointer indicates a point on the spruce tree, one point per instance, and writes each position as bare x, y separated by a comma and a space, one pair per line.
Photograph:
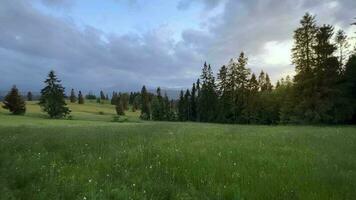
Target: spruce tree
158, 106
181, 104
224, 106
342, 46
114, 98
29, 96
303, 57
187, 106
14, 102
156, 109
102, 95
253, 99
193, 104
207, 101
119, 107
349, 86
238, 77
80, 98
145, 104
72, 97
52, 98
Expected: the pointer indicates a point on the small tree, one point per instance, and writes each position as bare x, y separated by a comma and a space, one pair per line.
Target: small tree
72, 97
14, 102
145, 104
119, 107
80, 98
29, 96
52, 98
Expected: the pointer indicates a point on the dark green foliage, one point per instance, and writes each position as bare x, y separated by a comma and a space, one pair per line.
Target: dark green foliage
181, 113
158, 112
72, 97
29, 96
124, 98
52, 98
208, 98
136, 103
349, 86
102, 95
119, 107
14, 102
90, 96
193, 104
80, 98
114, 98
145, 104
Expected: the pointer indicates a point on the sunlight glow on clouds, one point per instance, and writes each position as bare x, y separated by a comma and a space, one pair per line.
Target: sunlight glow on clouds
122, 44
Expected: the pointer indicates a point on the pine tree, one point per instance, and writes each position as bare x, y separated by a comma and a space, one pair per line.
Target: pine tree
303, 57
349, 86
114, 98
29, 96
187, 108
14, 102
145, 104
238, 77
207, 101
253, 105
193, 104
80, 98
102, 95
52, 98
136, 103
158, 106
225, 100
181, 104
119, 107
72, 97
342, 45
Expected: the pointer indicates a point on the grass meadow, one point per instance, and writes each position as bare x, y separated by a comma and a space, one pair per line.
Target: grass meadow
92, 157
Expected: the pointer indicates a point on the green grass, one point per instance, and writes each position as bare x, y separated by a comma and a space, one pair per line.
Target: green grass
91, 157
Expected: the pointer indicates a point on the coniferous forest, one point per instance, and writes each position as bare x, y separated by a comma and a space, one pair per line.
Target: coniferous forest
323, 91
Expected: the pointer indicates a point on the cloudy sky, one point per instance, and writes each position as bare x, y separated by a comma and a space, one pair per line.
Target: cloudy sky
123, 44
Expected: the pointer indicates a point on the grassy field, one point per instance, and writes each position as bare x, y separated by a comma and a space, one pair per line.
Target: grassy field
92, 157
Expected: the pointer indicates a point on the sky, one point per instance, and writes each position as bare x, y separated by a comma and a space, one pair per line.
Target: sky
120, 45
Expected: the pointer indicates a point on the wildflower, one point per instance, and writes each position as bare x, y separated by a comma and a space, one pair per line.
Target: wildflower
89, 180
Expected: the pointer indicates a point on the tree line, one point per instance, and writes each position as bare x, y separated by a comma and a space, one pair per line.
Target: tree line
322, 91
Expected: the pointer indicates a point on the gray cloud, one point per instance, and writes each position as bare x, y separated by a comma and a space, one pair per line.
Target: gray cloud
32, 43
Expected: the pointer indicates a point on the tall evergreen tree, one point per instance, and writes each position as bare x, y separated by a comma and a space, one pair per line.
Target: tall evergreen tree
207, 101
158, 106
14, 102
303, 57
119, 107
342, 46
349, 86
80, 98
102, 95
114, 98
187, 107
193, 104
225, 98
145, 104
181, 104
52, 98
72, 97
29, 96
238, 78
